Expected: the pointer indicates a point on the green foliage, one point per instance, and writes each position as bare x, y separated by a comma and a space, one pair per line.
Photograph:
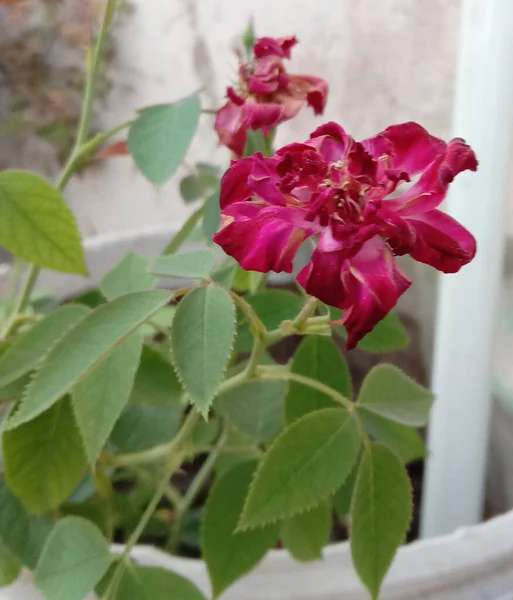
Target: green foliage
37, 225
83, 348
23, 534
390, 393
401, 439
387, 336
99, 398
141, 427
129, 275
303, 467
381, 513
229, 554
160, 137
202, 184
344, 495
44, 459
273, 307
156, 382
318, 358
152, 583
306, 534
256, 408
30, 348
10, 566
202, 340
196, 264
74, 559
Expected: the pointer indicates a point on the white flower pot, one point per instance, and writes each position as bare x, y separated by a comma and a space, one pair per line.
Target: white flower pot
471, 564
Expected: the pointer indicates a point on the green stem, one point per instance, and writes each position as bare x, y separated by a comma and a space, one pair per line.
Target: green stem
90, 87
187, 228
193, 491
173, 495
307, 311
22, 302
281, 373
176, 453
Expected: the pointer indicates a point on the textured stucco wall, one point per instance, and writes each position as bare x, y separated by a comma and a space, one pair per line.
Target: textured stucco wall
385, 62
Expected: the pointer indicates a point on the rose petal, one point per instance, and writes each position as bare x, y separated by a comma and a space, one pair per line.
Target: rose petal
267, 46
366, 286
267, 116
431, 188
441, 241
331, 141
410, 146
234, 183
229, 127
262, 238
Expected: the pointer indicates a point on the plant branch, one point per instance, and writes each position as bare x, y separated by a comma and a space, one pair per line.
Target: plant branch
281, 373
180, 236
22, 302
90, 87
193, 491
175, 456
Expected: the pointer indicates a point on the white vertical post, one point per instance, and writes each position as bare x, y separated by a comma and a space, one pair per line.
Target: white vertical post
483, 115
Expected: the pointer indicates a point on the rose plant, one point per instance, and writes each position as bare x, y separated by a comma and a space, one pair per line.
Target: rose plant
134, 414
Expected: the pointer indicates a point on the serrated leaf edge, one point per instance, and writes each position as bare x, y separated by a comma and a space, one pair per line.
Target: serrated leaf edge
190, 397
7, 426
241, 526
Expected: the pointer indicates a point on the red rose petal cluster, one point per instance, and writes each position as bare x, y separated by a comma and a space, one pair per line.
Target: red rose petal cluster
345, 193
266, 94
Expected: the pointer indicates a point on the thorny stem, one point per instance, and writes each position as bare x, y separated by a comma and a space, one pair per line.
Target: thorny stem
179, 238
176, 453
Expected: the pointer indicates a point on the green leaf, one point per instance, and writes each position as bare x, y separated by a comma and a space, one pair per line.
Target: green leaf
344, 495
24, 534
256, 408
388, 335
160, 137
37, 225
380, 514
10, 566
273, 307
99, 398
390, 393
306, 534
228, 554
127, 276
202, 340
304, 466
141, 427
156, 382
44, 460
152, 583
242, 448
83, 348
318, 358
28, 350
15, 390
212, 216
191, 188
192, 265
74, 559
224, 276
401, 439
